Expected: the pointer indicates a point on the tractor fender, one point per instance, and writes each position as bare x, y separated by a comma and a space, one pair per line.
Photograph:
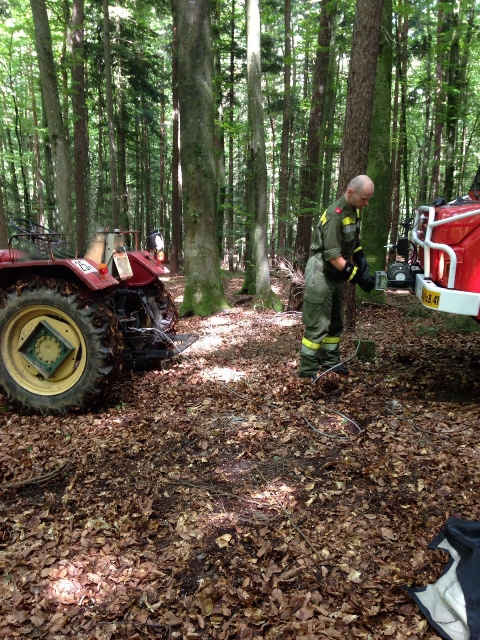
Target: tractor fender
82, 269
145, 269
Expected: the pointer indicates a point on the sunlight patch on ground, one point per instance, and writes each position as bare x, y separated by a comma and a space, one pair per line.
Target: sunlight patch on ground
288, 318
207, 343
225, 374
217, 320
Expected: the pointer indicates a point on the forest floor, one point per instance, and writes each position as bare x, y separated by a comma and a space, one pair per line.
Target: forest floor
223, 497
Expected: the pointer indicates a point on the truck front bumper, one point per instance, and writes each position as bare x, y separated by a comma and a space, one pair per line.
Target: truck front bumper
448, 300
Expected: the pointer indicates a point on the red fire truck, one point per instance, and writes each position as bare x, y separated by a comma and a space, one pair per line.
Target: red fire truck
446, 237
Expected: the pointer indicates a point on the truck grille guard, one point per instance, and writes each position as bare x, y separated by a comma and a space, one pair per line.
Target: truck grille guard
427, 243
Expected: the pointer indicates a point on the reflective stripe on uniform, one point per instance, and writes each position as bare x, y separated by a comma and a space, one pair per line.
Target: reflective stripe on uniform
330, 344
352, 275
358, 249
323, 219
311, 345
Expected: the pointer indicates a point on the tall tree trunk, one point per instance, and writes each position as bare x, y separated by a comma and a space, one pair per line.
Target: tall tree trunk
176, 174
230, 231
110, 117
403, 103
427, 139
375, 216
20, 155
80, 150
285, 145
3, 219
219, 127
203, 287
359, 110
38, 163
453, 94
148, 228
309, 169
361, 86
442, 26
463, 99
122, 157
263, 291
53, 110
161, 176
330, 102
17, 203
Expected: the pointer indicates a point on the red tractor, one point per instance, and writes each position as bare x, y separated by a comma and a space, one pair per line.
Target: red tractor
446, 237
67, 325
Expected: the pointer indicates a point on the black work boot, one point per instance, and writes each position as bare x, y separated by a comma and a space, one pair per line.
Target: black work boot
340, 368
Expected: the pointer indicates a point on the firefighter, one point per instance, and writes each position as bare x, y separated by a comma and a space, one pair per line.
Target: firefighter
337, 258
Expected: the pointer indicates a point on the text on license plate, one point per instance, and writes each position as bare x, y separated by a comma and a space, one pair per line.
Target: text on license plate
430, 298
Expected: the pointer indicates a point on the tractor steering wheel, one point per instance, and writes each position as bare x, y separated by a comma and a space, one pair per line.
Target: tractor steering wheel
29, 227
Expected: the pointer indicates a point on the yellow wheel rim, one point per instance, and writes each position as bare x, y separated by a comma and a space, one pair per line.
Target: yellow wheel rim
19, 328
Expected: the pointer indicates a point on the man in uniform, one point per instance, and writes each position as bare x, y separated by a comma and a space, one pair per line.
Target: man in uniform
337, 258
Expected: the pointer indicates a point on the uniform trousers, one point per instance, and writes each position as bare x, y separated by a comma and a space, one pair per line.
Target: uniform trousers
323, 319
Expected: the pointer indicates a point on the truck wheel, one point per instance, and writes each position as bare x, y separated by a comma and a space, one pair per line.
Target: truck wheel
60, 346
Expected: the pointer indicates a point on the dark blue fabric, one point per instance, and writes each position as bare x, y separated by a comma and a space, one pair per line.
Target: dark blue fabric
464, 536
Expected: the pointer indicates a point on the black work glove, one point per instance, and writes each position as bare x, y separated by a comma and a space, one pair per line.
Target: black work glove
361, 261
351, 273
366, 282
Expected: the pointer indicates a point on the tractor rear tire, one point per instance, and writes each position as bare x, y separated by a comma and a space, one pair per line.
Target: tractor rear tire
65, 330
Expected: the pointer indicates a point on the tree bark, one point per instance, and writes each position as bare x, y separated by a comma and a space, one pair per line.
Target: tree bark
453, 94
203, 287
285, 144
110, 117
176, 172
230, 230
263, 291
53, 110
309, 170
439, 101
359, 110
79, 126
361, 88
375, 216
3, 220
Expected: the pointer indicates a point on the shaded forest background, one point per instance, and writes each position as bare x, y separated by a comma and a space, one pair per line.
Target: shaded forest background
111, 156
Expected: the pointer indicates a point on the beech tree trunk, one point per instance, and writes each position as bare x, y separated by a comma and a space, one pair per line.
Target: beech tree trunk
309, 169
230, 230
176, 172
285, 145
358, 115
361, 87
111, 126
3, 221
203, 287
56, 128
375, 216
79, 126
263, 291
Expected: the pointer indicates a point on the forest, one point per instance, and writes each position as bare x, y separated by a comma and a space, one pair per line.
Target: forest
217, 494
230, 126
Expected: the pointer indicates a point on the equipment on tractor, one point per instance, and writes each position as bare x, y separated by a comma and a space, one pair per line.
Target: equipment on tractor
67, 324
447, 237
